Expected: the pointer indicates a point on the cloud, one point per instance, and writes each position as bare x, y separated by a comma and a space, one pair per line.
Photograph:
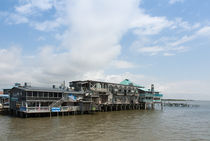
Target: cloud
168, 54
48, 25
204, 31
147, 25
12, 67
153, 50
180, 24
173, 44
10, 59
175, 1
16, 19
187, 89
30, 7
120, 64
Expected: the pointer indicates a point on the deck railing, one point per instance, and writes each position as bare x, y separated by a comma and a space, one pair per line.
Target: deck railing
48, 109
37, 109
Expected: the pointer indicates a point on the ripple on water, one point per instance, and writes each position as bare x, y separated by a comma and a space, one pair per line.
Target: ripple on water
170, 124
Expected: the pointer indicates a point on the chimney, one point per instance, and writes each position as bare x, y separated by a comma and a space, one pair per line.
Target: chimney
152, 88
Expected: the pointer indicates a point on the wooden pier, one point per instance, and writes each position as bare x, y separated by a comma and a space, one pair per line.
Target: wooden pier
81, 97
177, 104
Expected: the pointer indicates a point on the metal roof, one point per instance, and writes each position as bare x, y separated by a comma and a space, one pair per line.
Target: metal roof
144, 89
44, 89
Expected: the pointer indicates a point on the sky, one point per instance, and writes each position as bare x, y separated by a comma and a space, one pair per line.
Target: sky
160, 42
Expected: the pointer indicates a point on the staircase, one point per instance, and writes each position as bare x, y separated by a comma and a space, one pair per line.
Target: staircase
58, 103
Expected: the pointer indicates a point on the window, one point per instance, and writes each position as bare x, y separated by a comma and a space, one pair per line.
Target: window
40, 94
29, 94
24, 94
60, 95
34, 94
50, 94
55, 95
45, 94
31, 104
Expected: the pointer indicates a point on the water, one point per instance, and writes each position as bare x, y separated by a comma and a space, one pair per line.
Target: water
173, 123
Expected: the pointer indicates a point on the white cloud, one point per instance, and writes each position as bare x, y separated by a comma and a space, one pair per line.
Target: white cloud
48, 25
175, 1
33, 6
147, 25
10, 59
180, 24
16, 19
168, 54
174, 44
190, 89
120, 64
153, 50
205, 31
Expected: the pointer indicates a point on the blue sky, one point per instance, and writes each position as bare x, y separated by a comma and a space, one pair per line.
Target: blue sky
165, 42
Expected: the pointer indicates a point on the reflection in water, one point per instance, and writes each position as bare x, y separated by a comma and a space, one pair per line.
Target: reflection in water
169, 124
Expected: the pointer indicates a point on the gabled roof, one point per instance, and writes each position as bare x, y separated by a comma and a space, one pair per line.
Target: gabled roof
129, 83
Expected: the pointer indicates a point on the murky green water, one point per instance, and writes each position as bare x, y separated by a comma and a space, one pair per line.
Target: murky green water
169, 124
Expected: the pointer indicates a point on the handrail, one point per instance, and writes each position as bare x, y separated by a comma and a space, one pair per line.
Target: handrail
57, 102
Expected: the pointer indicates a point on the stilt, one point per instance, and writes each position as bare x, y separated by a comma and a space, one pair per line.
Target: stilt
153, 106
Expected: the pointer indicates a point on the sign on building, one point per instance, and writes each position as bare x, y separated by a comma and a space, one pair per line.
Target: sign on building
55, 109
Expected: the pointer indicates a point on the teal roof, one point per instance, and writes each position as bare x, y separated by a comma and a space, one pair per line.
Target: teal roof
159, 95
128, 82
144, 89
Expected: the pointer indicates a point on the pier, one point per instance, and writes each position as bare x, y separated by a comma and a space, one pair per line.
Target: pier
81, 97
178, 104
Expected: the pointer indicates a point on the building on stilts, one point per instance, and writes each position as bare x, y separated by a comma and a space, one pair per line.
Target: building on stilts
81, 97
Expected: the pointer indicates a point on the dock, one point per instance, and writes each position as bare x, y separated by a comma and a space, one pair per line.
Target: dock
81, 97
178, 104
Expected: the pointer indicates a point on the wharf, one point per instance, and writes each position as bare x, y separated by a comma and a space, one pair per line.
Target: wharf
175, 104
81, 97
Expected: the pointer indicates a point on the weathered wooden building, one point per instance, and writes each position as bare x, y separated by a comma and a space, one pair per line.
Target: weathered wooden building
27, 100
80, 97
108, 93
